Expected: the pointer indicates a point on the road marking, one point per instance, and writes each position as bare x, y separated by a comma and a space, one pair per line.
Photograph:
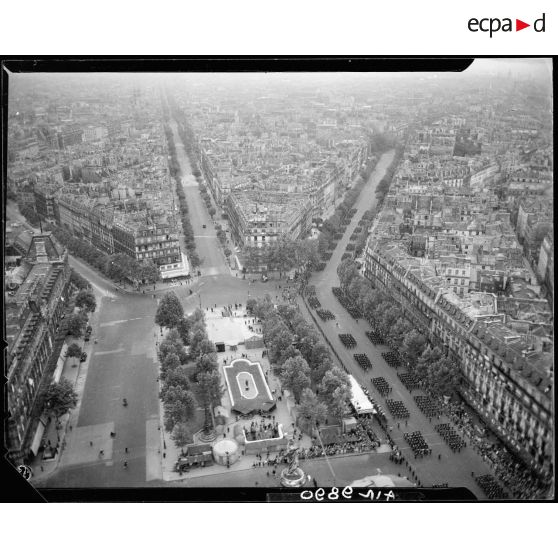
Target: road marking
109, 352
106, 324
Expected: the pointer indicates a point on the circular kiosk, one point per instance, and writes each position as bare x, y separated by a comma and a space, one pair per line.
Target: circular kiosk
226, 452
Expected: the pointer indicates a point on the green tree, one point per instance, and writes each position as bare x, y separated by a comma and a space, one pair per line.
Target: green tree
206, 363
79, 281
180, 406
397, 332
86, 300
74, 351
428, 358
175, 377
332, 380
251, 304
443, 376
414, 343
347, 270
183, 328
295, 376
280, 340
281, 255
169, 312
386, 315
210, 392
306, 255
370, 303
195, 260
172, 343
170, 362
264, 307
76, 324
148, 272
310, 410
182, 435
339, 402
60, 398
306, 345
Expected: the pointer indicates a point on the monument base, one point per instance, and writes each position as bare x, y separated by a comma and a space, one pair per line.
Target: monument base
295, 479
207, 437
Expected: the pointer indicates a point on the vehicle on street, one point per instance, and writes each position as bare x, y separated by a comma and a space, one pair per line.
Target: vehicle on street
83, 357
195, 454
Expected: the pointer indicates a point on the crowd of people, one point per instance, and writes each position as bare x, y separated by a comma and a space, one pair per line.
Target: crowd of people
375, 337
490, 487
391, 358
397, 409
381, 385
363, 361
289, 293
365, 429
428, 406
452, 439
347, 303
338, 448
348, 340
417, 444
521, 483
314, 302
410, 380
262, 429
325, 314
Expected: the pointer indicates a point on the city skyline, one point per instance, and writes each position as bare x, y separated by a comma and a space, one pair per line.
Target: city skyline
408, 215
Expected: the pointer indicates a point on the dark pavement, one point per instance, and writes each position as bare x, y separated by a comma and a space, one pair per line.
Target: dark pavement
121, 364
207, 244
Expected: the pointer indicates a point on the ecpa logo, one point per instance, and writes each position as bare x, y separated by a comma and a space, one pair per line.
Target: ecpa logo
494, 24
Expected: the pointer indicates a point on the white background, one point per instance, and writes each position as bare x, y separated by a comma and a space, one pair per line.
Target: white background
206, 27
345, 27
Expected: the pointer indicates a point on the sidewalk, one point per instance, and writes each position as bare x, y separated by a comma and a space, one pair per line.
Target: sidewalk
75, 372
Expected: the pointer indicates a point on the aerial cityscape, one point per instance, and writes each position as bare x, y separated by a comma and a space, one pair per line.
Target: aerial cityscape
294, 281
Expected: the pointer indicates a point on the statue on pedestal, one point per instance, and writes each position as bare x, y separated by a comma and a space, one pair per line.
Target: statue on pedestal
292, 457
292, 476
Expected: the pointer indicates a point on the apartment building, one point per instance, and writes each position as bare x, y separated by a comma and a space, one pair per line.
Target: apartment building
259, 218
506, 382
33, 314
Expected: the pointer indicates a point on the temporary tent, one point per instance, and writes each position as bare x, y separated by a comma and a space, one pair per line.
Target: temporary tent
359, 401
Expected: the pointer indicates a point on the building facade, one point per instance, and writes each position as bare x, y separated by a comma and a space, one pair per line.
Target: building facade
508, 383
33, 315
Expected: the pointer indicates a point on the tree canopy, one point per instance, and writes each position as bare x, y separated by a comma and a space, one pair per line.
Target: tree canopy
60, 398
182, 435
209, 390
310, 410
86, 299
76, 324
169, 312
295, 376
74, 351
